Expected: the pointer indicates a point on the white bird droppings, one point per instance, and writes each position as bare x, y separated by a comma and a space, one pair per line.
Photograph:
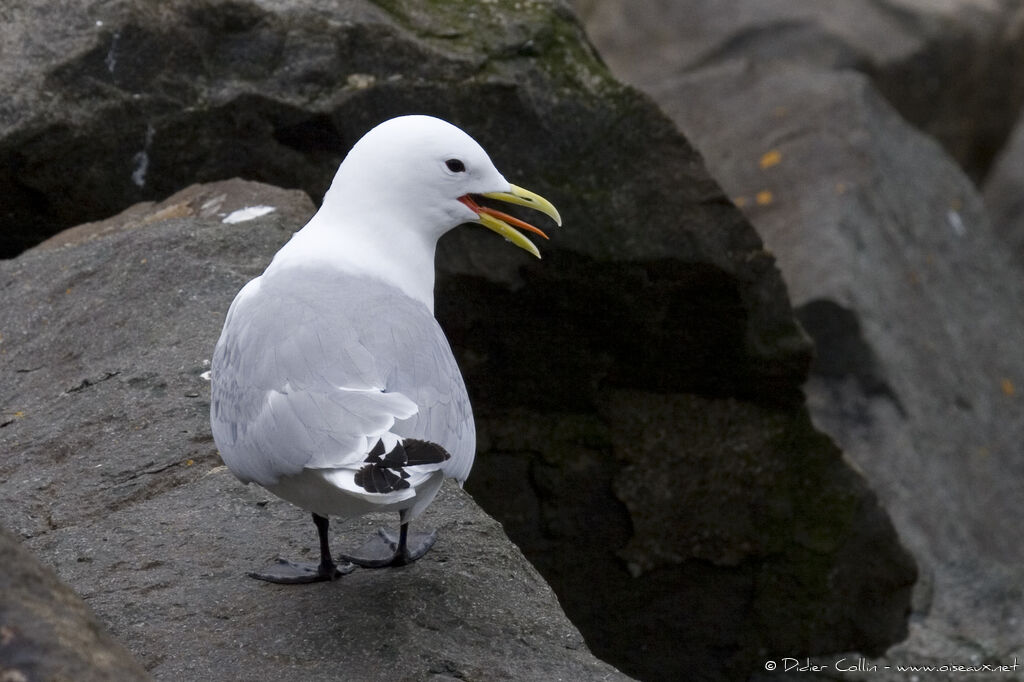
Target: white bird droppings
957, 223
140, 161
248, 213
111, 58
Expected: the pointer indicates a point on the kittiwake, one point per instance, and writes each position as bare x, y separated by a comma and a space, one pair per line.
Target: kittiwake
333, 386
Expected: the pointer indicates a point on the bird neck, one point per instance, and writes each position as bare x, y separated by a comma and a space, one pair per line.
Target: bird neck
369, 248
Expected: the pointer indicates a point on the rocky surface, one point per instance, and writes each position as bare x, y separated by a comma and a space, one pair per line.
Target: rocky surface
47, 632
1003, 196
950, 67
643, 434
115, 481
910, 294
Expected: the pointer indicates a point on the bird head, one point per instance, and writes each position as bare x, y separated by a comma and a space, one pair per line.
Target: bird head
422, 171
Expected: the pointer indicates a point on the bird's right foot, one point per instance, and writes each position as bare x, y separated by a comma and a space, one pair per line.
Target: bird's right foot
286, 572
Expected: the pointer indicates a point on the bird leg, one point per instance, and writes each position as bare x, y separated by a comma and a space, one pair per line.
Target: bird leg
385, 548
294, 572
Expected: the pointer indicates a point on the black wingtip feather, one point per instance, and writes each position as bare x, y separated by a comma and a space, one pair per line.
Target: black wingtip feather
376, 479
387, 474
424, 452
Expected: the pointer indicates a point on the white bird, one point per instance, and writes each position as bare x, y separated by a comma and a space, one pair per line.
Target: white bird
333, 385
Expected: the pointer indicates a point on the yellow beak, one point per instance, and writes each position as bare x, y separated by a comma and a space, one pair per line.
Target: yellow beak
504, 224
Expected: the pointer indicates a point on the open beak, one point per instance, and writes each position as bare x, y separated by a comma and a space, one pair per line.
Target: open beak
504, 224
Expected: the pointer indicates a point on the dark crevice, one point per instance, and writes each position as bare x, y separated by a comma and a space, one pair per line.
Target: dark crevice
591, 333
842, 351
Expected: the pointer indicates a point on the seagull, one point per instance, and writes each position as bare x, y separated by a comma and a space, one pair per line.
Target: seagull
332, 384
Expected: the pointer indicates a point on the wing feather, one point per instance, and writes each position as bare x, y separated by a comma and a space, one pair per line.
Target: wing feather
313, 372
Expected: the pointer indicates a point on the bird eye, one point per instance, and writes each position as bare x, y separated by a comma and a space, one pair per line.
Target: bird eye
455, 166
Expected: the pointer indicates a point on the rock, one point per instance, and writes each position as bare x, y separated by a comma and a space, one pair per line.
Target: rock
231, 201
116, 482
914, 304
47, 632
1003, 197
950, 68
112, 103
722, 527
656, 309
157, 535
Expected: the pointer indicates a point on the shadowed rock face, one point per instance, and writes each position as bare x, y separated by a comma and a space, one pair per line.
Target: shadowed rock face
896, 270
643, 435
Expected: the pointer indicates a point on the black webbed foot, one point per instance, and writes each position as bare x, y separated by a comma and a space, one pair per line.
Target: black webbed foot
286, 572
387, 548
299, 572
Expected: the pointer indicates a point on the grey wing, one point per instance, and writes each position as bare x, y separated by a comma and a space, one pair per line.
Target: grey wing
433, 380
293, 387
305, 380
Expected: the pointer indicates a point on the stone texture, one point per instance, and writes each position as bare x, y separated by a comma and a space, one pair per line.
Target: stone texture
225, 200
913, 303
907, 288
656, 302
47, 632
1003, 196
114, 479
722, 527
872, 217
950, 67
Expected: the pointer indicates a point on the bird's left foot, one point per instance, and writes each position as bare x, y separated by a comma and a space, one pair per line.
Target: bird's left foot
384, 549
286, 572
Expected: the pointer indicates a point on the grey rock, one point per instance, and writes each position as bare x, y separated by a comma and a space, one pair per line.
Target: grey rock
227, 200
914, 304
1003, 193
950, 67
110, 103
108, 337
656, 303
47, 632
739, 525
116, 482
